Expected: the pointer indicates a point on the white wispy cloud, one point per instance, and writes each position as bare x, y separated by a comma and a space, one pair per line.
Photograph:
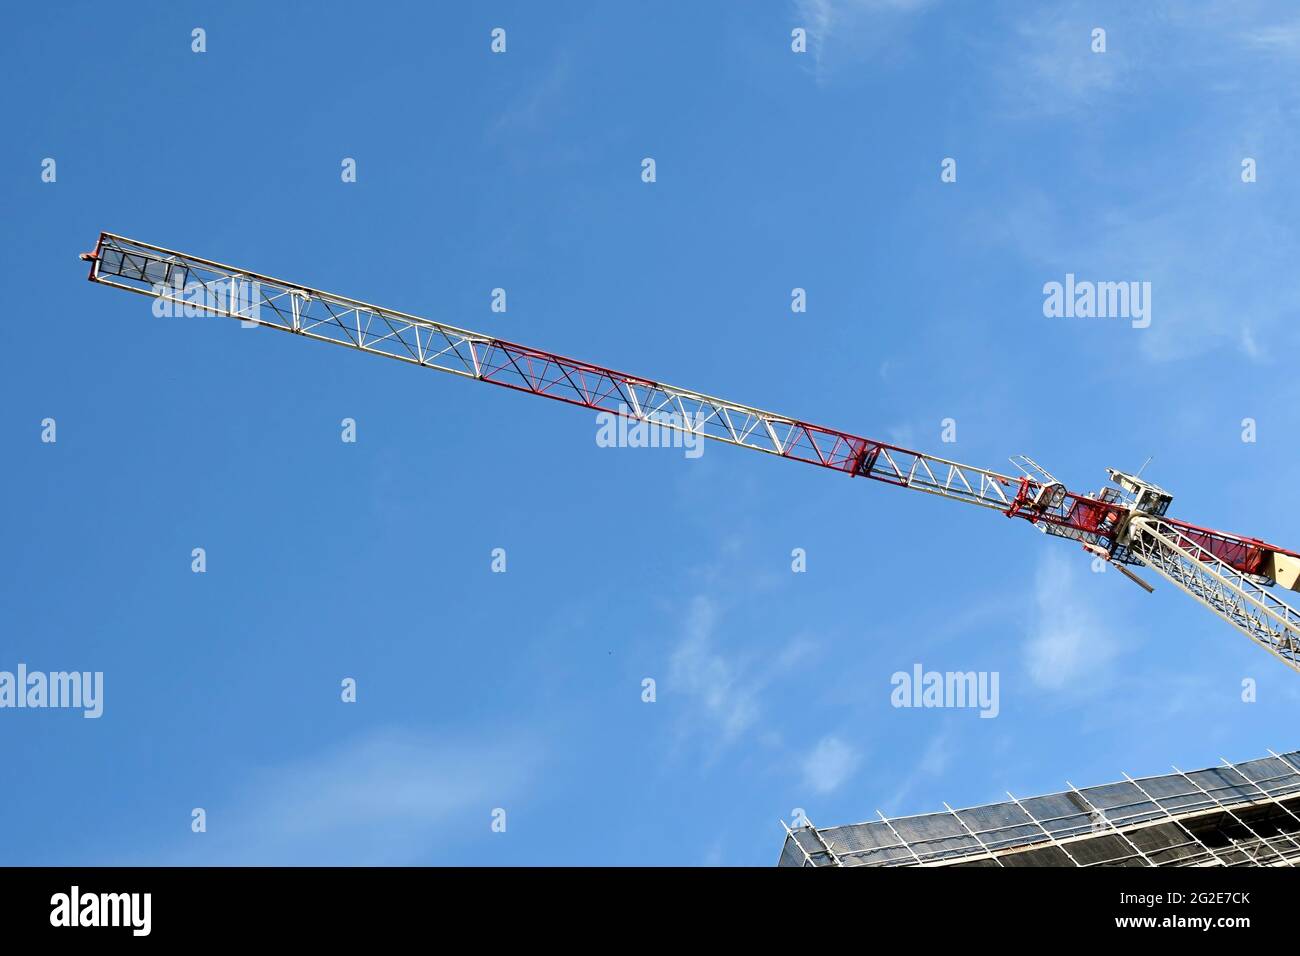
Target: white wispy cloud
540, 100
390, 797
852, 28
1048, 66
829, 764
1220, 267
934, 761
1275, 38
818, 18
1068, 643
725, 689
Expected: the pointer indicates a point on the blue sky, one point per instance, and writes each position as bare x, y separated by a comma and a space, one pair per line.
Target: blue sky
522, 170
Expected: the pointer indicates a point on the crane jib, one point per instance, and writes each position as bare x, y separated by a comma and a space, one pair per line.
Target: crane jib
1223, 571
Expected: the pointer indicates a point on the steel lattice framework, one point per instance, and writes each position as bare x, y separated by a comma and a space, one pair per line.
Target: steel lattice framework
1233, 815
1224, 571
1234, 596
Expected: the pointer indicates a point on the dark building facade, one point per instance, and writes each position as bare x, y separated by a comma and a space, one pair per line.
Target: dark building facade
1244, 814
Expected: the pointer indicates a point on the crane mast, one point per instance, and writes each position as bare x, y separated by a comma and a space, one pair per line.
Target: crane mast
1125, 525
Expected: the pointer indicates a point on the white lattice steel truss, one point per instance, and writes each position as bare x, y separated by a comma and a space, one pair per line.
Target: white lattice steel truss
1221, 570
1235, 597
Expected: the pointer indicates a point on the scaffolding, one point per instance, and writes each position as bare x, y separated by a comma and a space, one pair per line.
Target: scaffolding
1244, 814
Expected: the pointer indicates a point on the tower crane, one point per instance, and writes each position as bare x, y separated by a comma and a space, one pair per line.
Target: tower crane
1124, 523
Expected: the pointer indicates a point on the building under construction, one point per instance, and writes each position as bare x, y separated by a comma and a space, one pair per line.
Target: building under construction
1245, 814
